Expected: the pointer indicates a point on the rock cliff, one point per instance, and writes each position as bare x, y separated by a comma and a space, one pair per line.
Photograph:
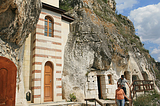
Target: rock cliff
101, 40
18, 18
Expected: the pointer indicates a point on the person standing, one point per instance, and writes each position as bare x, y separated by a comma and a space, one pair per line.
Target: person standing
119, 96
122, 82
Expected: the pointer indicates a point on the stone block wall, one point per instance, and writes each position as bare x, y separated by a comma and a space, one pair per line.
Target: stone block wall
92, 88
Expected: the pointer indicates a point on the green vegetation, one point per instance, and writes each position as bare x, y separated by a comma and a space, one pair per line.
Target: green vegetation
157, 74
65, 5
148, 99
99, 1
105, 1
121, 19
133, 40
137, 37
145, 50
123, 32
141, 48
118, 24
102, 15
111, 40
157, 77
87, 73
72, 97
126, 50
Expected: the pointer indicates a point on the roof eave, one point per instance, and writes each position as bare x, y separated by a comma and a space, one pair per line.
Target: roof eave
52, 8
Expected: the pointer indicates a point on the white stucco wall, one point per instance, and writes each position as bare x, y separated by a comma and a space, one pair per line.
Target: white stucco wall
26, 64
65, 31
52, 2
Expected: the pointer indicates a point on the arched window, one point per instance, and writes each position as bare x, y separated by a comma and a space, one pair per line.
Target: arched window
48, 26
109, 79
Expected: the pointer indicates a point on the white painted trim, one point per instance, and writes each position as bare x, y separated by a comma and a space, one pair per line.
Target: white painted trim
42, 78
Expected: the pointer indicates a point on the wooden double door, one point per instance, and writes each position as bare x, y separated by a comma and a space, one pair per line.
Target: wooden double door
48, 82
8, 73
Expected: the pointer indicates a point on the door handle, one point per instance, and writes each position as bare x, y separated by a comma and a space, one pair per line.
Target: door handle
50, 80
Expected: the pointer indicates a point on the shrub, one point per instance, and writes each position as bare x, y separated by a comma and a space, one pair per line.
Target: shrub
72, 97
149, 99
157, 77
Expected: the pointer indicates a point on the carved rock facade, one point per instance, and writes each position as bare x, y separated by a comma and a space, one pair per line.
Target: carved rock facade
101, 47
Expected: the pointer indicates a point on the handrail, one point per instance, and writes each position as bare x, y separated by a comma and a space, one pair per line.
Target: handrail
96, 100
137, 86
140, 86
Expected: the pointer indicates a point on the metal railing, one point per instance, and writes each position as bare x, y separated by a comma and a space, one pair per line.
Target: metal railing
95, 100
136, 86
140, 86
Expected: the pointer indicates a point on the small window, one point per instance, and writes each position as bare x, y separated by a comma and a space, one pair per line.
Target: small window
48, 26
109, 79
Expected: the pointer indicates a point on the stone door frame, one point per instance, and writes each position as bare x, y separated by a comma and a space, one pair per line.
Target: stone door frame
42, 78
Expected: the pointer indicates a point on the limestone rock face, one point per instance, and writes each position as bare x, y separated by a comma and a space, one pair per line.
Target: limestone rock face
68, 4
105, 42
18, 19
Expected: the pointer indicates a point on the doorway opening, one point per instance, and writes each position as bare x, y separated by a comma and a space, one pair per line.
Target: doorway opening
48, 82
135, 77
99, 87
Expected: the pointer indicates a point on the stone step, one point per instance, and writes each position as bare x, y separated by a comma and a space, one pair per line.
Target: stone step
105, 102
56, 104
65, 104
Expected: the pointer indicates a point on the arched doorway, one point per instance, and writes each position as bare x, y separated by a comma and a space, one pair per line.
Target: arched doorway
48, 82
8, 72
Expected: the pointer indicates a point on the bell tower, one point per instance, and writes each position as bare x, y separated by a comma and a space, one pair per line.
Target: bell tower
54, 3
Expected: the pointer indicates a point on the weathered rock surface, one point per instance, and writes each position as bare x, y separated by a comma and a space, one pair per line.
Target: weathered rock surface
18, 18
100, 40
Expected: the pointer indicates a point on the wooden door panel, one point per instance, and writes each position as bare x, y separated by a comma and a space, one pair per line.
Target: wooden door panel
47, 93
47, 79
8, 74
48, 82
3, 85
